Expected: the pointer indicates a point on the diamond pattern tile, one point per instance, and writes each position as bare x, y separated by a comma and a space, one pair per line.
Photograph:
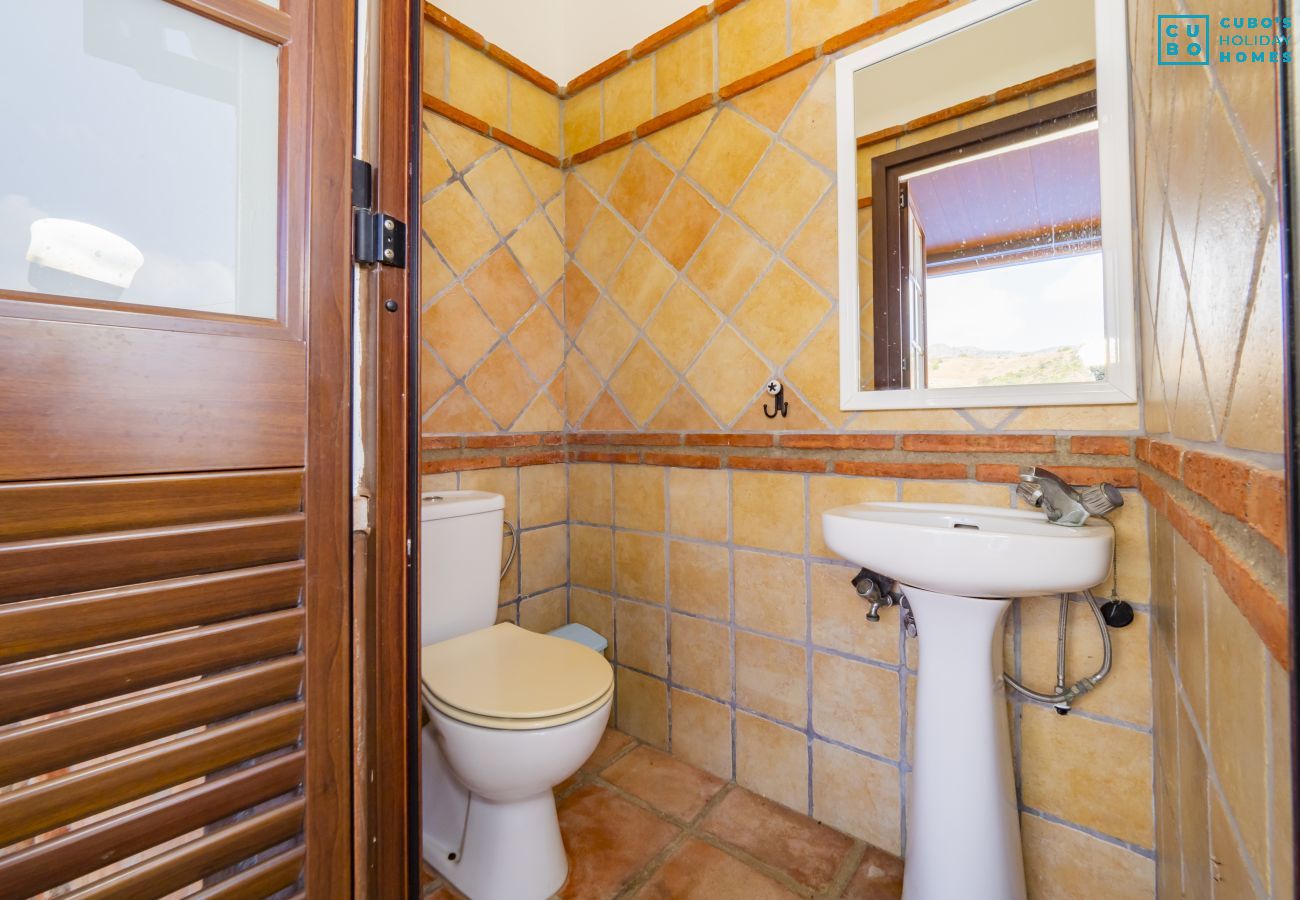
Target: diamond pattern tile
491, 263
502, 289
642, 382
641, 282
640, 187
727, 375
726, 156
682, 326
780, 194
681, 223
780, 312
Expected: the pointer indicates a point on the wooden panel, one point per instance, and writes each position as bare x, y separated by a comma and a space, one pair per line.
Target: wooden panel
61, 682
262, 880
224, 403
249, 16
62, 565
49, 744
53, 508
29, 811
33, 628
60, 859
173, 869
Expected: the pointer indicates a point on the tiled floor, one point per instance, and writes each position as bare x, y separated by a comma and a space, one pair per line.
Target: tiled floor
639, 824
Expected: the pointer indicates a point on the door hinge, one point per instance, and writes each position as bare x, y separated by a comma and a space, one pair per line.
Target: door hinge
902, 196
376, 237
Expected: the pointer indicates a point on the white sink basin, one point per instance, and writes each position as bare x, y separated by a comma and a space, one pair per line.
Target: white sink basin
958, 566
973, 551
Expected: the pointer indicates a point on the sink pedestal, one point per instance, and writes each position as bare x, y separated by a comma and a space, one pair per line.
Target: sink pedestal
963, 828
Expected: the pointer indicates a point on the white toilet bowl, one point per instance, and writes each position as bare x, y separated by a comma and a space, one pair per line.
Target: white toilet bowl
512, 714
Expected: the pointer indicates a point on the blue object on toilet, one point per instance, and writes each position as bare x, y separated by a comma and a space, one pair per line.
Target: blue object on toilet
581, 634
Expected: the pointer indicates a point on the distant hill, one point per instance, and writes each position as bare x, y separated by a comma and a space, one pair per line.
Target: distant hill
976, 367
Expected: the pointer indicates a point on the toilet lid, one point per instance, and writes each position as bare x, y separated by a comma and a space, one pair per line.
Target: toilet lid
506, 672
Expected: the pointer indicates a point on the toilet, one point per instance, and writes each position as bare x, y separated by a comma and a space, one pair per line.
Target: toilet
512, 713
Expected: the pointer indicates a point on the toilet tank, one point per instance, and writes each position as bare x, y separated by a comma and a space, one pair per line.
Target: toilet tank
460, 562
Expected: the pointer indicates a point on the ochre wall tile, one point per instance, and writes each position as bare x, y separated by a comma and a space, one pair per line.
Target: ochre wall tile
768, 510
476, 84
699, 504
639, 497
1089, 772
582, 120
639, 562
641, 705
534, 115
642, 637
699, 578
750, 37
770, 594
629, 97
1070, 864
701, 732
772, 677
701, 656
858, 795
856, 704
772, 760
684, 69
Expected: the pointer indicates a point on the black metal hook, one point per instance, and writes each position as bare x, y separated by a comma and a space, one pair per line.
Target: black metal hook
777, 390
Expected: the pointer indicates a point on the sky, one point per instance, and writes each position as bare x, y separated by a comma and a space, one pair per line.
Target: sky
1032, 306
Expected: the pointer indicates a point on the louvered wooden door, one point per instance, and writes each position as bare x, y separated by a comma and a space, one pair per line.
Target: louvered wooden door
174, 683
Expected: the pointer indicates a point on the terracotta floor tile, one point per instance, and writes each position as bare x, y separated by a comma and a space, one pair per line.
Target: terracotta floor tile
879, 877
697, 871
807, 851
611, 744
608, 840
667, 784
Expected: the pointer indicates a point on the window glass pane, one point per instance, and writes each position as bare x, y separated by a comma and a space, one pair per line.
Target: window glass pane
140, 160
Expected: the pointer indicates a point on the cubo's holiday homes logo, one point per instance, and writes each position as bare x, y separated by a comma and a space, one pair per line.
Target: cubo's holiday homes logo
1183, 40
1187, 40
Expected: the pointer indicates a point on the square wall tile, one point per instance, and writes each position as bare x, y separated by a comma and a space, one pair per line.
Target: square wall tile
839, 617
701, 732
642, 706
1064, 862
639, 563
771, 594
591, 557
591, 493
596, 611
544, 558
699, 578
1089, 772
698, 501
772, 760
545, 612
701, 656
772, 678
856, 703
642, 637
858, 795
639, 497
543, 495
768, 510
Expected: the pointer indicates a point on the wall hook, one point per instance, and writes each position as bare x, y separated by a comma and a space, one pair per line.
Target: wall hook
777, 390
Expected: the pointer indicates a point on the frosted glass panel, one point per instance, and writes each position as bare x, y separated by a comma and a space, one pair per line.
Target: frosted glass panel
139, 161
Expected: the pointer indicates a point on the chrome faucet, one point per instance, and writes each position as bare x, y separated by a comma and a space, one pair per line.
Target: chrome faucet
1062, 503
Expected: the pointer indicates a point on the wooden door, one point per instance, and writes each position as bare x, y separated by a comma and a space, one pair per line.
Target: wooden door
174, 434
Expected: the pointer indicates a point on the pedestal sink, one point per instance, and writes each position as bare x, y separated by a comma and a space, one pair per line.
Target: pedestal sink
958, 567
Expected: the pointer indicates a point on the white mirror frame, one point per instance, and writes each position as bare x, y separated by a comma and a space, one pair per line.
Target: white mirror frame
1114, 148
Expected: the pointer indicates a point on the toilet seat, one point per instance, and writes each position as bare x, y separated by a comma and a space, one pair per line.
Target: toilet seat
508, 678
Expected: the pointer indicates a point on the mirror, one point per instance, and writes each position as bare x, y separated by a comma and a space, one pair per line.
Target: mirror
986, 212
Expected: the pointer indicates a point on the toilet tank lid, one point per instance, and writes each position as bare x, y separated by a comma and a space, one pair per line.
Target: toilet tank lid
450, 504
